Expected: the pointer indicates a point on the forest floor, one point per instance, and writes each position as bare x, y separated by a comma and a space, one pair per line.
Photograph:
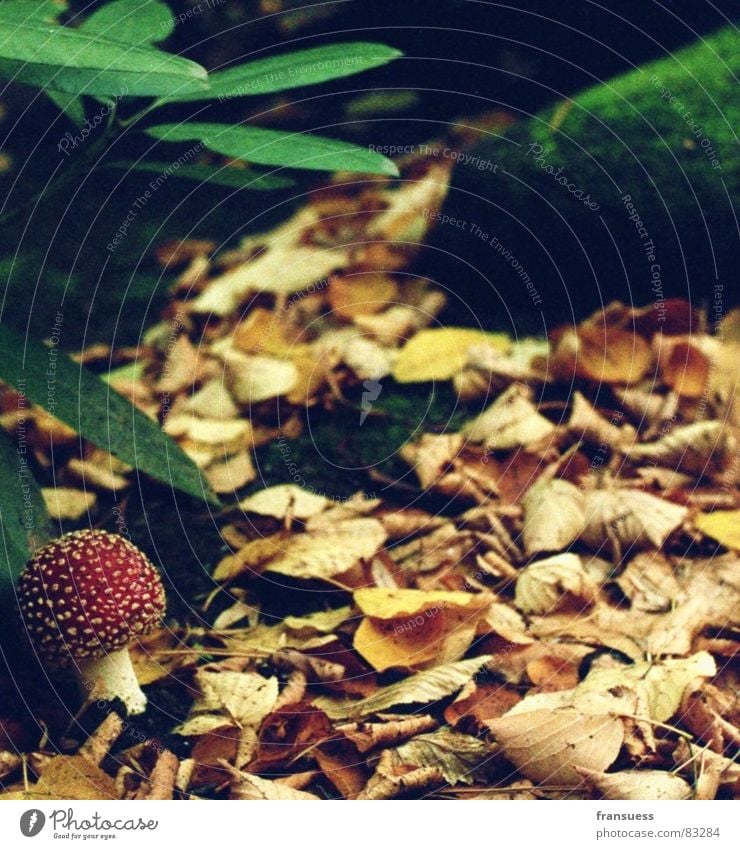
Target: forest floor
451, 563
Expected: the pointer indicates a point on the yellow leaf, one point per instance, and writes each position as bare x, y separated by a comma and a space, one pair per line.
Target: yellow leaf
361, 294
441, 353
384, 603
69, 777
411, 628
722, 526
63, 502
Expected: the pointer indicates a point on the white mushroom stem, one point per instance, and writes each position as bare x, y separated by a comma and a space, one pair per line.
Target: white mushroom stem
112, 677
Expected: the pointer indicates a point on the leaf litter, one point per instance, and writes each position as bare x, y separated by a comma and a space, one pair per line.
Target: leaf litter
539, 600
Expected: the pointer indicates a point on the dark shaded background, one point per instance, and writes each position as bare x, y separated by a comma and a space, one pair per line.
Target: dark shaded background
464, 58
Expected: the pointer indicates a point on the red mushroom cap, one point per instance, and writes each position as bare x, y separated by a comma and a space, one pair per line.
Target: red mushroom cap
87, 594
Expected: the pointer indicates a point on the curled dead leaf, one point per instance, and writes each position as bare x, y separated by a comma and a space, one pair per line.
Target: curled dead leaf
554, 515
511, 421
552, 584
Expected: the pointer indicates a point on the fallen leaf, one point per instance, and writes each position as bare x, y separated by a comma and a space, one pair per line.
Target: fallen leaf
512, 420
629, 517
285, 500
722, 526
551, 745
252, 788
703, 448
412, 628
440, 353
601, 354
422, 688
252, 379
370, 735
551, 584
554, 515
361, 293
637, 785
70, 777
64, 503
328, 553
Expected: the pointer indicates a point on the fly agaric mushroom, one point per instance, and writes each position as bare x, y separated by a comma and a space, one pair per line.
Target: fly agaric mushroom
83, 599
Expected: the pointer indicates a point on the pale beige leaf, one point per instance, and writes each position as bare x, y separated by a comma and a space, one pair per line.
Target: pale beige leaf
65, 503
511, 421
252, 379
422, 688
549, 746
282, 268
664, 683
253, 788
285, 500
636, 785
240, 698
630, 517
554, 515
547, 585
703, 448
330, 552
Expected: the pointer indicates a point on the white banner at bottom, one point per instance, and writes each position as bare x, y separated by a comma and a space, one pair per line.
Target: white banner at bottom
375, 825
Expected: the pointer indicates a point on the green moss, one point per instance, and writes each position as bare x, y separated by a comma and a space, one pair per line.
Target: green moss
662, 134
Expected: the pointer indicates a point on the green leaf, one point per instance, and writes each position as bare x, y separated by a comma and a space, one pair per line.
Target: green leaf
70, 104
79, 398
132, 21
292, 70
41, 11
24, 522
234, 178
275, 147
68, 60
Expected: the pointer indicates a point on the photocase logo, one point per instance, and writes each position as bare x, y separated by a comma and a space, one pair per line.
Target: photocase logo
372, 388
32, 822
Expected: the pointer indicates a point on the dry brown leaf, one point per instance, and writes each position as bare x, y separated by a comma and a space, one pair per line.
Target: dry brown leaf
703, 448
339, 762
329, 553
422, 688
370, 735
554, 515
555, 583
636, 785
70, 777
512, 420
252, 788
629, 518
601, 355
549, 745
361, 293
479, 702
